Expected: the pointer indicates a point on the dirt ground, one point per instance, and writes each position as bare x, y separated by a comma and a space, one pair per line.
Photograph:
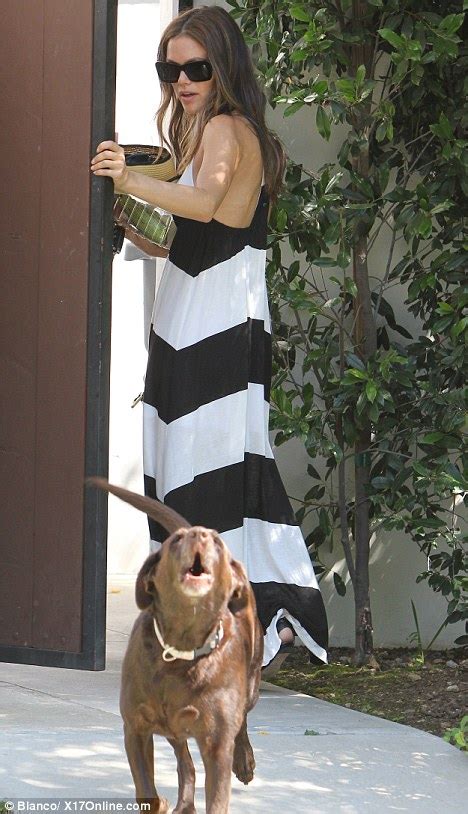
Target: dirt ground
429, 693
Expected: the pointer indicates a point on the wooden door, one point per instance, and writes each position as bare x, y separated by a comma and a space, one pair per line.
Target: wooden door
57, 89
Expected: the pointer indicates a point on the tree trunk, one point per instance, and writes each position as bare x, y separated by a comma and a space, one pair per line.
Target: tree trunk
365, 337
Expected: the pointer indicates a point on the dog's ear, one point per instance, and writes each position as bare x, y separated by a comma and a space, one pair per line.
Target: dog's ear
144, 587
241, 589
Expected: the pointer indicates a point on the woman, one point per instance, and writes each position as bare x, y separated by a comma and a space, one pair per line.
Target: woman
206, 447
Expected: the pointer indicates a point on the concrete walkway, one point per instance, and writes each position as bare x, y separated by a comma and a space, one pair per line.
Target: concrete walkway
61, 737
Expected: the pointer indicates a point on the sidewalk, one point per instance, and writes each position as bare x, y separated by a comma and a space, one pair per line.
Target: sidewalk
62, 738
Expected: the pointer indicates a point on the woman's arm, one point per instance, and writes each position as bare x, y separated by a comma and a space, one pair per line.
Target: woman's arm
146, 245
220, 151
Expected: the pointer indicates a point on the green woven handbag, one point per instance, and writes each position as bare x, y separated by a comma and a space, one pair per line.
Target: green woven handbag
146, 220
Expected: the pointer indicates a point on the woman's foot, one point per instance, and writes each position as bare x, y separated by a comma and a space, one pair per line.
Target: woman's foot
285, 631
286, 634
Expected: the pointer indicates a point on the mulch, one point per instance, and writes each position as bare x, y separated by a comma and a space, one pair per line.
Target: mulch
429, 693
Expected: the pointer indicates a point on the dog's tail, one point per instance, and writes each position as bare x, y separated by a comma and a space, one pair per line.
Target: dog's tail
167, 517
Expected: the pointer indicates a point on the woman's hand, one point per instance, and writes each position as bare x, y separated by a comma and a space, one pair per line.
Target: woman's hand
110, 160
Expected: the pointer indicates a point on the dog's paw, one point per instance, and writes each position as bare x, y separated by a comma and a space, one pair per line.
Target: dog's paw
244, 764
187, 808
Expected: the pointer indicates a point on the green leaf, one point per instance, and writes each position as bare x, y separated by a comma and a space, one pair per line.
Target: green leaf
350, 286
347, 88
308, 393
340, 586
325, 262
445, 308
299, 55
443, 128
324, 521
381, 482
374, 412
354, 361
299, 13
441, 324
381, 131
360, 74
442, 439
432, 437
371, 391
344, 257
391, 37
334, 180
462, 326
312, 472
420, 469
431, 522
281, 219
293, 270
323, 123
361, 404
452, 23
293, 108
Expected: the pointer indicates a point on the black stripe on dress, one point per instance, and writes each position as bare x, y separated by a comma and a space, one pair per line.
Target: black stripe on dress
198, 246
222, 498
304, 603
179, 381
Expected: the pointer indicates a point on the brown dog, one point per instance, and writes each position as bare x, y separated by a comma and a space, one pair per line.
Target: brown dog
193, 662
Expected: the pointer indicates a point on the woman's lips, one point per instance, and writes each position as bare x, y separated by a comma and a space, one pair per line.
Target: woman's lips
187, 96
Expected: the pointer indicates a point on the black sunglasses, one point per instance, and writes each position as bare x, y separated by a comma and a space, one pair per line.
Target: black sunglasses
197, 71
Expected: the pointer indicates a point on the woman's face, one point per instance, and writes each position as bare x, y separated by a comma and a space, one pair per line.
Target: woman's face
193, 95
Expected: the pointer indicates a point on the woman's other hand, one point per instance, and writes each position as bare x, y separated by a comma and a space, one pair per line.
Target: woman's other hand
110, 161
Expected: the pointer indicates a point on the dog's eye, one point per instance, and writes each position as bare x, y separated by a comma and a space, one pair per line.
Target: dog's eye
176, 539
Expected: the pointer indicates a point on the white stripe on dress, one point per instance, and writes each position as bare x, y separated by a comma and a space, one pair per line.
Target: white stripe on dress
217, 299
272, 641
271, 552
215, 435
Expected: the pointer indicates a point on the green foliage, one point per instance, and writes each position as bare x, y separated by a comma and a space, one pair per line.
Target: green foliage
416, 636
392, 84
458, 736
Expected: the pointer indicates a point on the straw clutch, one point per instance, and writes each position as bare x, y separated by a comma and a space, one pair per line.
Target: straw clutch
146, 220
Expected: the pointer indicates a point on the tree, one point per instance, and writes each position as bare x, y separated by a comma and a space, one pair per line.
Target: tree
360, 390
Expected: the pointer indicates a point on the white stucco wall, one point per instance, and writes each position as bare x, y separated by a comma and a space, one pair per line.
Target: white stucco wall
132, 287
395, 561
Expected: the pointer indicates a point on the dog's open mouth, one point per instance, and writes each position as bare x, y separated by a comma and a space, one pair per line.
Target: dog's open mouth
196, 578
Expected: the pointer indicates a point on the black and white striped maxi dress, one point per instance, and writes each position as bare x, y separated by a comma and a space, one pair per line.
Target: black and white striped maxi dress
206, 402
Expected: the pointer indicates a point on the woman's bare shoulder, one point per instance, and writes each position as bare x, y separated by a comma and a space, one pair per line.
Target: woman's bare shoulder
233, 135
221, 124
219, 135
233, 124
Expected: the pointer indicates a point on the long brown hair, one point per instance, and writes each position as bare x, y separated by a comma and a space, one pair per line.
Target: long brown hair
235, 90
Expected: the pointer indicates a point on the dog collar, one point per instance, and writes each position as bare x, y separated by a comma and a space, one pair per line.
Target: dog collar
171, 653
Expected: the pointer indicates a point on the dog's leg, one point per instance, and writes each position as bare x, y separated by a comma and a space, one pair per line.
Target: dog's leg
139, 748
244, 761
186, 774
217, 758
